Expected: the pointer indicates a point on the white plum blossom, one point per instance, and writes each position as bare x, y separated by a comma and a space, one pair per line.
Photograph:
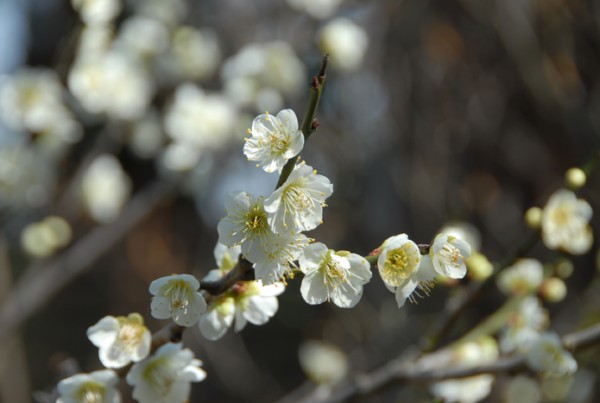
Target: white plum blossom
114, 83
176, 297
218, 317
565, 223
98, 386
166, 376
421, 280
105, 188
297, 205
523, 277
275, 139
319, 9
280, 253
196, 54
121, 340
322, 362
448, 254
345, 42
399, 260
547, 354
226, 256
523, 325
246, 224
335, 276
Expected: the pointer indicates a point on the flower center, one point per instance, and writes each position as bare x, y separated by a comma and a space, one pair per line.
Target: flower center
158, 375
130, 334
255, 220
333, 274
450, 255
399, 265
178, 294
91, 392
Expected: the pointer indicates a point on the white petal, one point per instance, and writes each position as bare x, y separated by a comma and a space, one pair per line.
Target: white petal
104, 332
160, 308
312, 289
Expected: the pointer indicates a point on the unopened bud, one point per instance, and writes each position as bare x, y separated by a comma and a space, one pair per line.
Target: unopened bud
575, 178
564, 268
533, 217
553, 289
479, 267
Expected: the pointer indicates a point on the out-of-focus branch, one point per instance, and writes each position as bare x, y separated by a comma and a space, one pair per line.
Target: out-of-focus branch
453, 311
45, 281
402, 369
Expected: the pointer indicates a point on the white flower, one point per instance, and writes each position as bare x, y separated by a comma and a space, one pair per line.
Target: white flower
297, 205
275, 139
422, 280
335, 276
246, 224
319, 9
105, 187
113, 83
218, 317
165, 377
523, 277
143, 36
226, 256
565, 223
448, 255
345, 42
466, 355
322, 362
98, 386
523, 325
120, 340
399, 260
199, 120
196, 53
546, 354
280, 253
97, 11
176, 297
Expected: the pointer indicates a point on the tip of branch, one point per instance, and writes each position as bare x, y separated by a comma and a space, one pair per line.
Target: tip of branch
322, 72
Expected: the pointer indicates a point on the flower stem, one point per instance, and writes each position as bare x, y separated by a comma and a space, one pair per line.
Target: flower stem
309, 124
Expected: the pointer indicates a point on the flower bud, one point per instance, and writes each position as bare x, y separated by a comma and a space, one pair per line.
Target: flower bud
479, 267
553, 289
575, 178
533, 217
564, 268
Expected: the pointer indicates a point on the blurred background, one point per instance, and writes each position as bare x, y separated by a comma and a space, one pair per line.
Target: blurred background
122, 126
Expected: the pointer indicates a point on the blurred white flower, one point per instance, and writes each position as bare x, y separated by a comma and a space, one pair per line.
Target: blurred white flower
43, 238
522, 389
95, 12
120, 340
105, 188
523, 277
565, 223
448, 254
546, 354
94, 41
176, 297
335, 276
523, 325
199, 120
275, 139
345, 42
196, 54
319, 9
112, 83
322, 362
170, 12
98, 386
142, 36
32, 100
466, 355
257, 68
147, 137
165, 376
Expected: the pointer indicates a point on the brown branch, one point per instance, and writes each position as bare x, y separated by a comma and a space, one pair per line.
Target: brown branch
402, 369
44, 281
241, 272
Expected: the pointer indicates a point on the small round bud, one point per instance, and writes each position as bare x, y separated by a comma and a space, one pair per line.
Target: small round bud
533, 217
479, 267
553, 289
575, 178
563, 268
